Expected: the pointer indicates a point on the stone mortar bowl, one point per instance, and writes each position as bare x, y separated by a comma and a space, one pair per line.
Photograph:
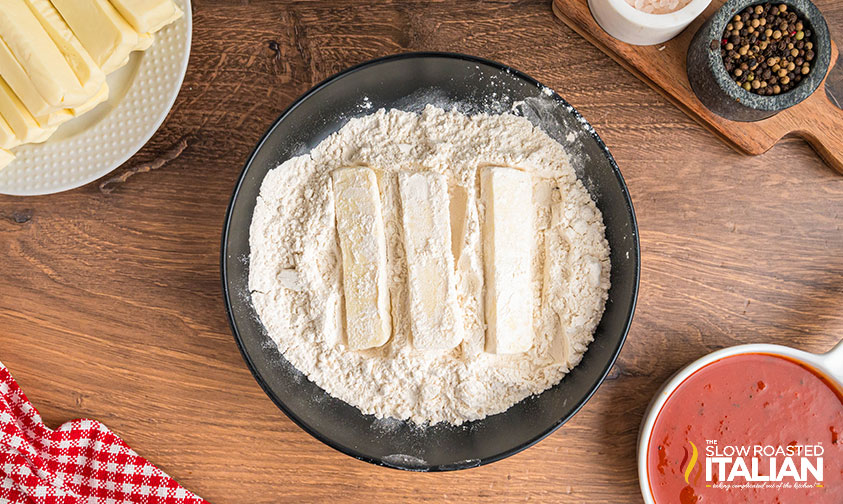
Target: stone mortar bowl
716, 89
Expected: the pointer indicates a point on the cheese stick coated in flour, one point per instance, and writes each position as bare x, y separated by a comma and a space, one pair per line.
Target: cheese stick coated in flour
431, 277
507, 195
362, 240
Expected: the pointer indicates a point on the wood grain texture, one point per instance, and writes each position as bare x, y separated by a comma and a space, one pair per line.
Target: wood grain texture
111, 306
663, 68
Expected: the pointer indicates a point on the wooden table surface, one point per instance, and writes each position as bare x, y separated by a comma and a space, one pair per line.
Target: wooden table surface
110, 302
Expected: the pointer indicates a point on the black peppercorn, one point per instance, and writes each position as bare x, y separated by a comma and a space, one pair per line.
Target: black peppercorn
766, 48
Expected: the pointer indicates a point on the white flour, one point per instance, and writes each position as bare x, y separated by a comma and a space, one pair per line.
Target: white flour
295, 275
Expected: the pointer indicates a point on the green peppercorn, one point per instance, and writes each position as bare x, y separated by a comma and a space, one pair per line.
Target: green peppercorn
800, 35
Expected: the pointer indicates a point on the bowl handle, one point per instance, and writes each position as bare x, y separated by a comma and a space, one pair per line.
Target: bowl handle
834, 361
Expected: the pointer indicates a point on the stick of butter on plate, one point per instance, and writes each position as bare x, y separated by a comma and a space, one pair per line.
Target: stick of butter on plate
36, 53
90, 75
25, 127
102, 30
56, 118
14, 74
95, 100
145, 41
362, 240
6, 157
8, 139
148, 16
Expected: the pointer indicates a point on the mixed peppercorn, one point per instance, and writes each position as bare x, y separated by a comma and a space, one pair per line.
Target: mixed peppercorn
767, 49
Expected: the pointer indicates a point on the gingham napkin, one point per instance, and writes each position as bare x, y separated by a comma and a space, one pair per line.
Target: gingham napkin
80, 462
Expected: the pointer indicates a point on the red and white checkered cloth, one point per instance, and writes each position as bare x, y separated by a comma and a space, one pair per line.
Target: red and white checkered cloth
80, 462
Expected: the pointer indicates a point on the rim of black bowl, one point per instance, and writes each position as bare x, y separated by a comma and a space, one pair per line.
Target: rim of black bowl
774, 103
224, 270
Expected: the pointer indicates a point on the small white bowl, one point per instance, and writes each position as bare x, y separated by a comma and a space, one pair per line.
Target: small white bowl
829, 365
630, 25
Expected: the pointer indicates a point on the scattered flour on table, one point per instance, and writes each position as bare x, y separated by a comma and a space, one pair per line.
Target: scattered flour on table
296, 279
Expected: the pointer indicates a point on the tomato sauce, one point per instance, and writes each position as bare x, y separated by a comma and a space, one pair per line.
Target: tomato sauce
751, 428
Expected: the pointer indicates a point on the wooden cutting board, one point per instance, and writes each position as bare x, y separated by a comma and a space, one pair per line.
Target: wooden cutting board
662, 67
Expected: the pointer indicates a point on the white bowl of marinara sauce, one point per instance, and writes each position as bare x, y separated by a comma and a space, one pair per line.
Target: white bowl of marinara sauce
750, 423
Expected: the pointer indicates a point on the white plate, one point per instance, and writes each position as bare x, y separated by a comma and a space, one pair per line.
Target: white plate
86, 148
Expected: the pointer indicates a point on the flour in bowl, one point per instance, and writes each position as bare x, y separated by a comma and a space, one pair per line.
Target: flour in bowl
297, 275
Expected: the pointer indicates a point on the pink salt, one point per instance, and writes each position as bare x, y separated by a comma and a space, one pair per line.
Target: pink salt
658, 6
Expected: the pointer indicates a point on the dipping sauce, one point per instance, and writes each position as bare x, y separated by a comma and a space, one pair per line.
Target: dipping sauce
749, 428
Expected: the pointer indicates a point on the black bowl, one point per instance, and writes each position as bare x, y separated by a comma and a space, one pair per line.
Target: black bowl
409, 82
714, 86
